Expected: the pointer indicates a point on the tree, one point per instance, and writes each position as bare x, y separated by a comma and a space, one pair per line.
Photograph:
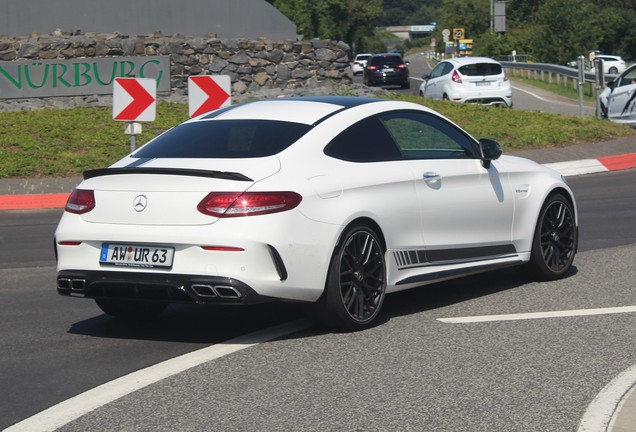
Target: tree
472, 15
346, 20
566, 30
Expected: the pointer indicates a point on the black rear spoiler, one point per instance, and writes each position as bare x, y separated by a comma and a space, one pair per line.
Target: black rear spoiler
224, 175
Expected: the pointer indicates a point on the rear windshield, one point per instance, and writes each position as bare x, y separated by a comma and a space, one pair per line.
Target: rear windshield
386, 60
480, 69
224, 139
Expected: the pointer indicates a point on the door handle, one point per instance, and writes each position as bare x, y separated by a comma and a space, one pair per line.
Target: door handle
431, 177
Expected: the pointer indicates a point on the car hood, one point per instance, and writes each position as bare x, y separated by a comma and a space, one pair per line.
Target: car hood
169, 189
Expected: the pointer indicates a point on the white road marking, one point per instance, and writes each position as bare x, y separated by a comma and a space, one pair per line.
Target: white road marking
531, 94
71, 409
599, 413
538, 315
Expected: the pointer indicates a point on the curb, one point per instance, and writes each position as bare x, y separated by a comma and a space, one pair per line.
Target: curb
570, 168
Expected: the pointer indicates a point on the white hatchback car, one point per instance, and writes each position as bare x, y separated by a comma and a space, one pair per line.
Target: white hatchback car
468, 79
329, 201
359, 63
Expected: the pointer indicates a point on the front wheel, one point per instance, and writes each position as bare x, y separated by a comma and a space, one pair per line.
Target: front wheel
356, 282
130, 309
555, 241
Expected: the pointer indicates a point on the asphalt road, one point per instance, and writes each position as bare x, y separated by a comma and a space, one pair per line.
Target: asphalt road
413, 372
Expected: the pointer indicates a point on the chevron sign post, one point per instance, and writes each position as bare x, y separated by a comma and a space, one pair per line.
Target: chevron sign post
208, 92
134, 100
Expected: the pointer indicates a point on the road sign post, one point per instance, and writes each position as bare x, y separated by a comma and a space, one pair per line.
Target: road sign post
134, 100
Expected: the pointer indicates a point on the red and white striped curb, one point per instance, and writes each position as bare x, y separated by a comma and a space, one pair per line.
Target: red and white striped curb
572, 168
590, 166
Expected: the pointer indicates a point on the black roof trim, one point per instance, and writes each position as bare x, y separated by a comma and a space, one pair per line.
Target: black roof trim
225, 175
219, 111
345, 102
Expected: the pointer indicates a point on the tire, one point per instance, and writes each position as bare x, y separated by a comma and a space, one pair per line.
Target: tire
613, 71
555, 241
406, 85
130, 309
356, 282
445, 97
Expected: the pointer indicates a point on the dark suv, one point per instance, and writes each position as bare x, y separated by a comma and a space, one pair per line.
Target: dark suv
386, 69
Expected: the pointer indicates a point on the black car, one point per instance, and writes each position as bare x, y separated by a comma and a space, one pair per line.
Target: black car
386, 69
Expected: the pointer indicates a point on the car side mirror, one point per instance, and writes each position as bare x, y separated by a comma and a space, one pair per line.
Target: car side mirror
611, 85
490, 151
426, 77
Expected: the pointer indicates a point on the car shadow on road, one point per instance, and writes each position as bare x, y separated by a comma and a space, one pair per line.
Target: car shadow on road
448, 293
216, 324
190, 323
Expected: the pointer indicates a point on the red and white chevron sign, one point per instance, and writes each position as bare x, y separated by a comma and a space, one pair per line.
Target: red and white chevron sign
208, 92
134, 99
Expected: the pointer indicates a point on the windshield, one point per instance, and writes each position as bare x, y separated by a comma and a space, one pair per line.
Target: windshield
224, 139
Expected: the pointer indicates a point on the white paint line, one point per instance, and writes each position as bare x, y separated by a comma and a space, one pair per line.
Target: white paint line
583, 166
538, 315
599, 413
530, 93
71, 409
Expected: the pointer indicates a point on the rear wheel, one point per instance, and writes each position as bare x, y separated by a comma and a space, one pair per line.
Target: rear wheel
356, 282
555, 241
613, 70
130, 309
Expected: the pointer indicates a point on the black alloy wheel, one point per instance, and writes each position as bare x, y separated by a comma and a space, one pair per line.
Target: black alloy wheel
555, 240
356, 282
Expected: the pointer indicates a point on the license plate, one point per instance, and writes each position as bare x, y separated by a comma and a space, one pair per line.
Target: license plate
482, 84
389, 70
136, 255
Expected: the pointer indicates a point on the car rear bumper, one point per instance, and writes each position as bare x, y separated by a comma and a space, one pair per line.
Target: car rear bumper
379, 79
157, 287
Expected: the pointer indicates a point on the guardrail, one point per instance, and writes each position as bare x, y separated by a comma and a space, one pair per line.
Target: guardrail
554, 74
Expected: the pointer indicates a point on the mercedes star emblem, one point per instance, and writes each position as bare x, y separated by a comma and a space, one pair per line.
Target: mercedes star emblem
140, 202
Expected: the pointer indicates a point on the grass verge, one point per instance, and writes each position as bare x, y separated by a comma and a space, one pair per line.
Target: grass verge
65, 142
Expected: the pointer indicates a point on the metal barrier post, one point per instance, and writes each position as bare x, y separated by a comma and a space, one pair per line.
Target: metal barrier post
599, 75
581, 61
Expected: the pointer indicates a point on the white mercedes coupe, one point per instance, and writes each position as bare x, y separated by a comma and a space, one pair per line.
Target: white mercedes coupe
329, 201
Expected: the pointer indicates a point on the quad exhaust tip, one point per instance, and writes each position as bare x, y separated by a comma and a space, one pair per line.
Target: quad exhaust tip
74, 285
216, 291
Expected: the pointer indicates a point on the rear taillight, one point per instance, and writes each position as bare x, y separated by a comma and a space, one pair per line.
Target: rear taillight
235, 204
372, 68
401, 66
80, 201
456, 78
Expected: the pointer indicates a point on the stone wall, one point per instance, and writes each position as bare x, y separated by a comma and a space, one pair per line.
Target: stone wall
253, 65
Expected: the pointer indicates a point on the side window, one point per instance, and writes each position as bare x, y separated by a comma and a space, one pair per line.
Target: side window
628, 79
425, 136
365, 141
438, 70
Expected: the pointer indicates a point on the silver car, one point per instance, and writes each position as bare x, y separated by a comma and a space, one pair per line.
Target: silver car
618, 100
